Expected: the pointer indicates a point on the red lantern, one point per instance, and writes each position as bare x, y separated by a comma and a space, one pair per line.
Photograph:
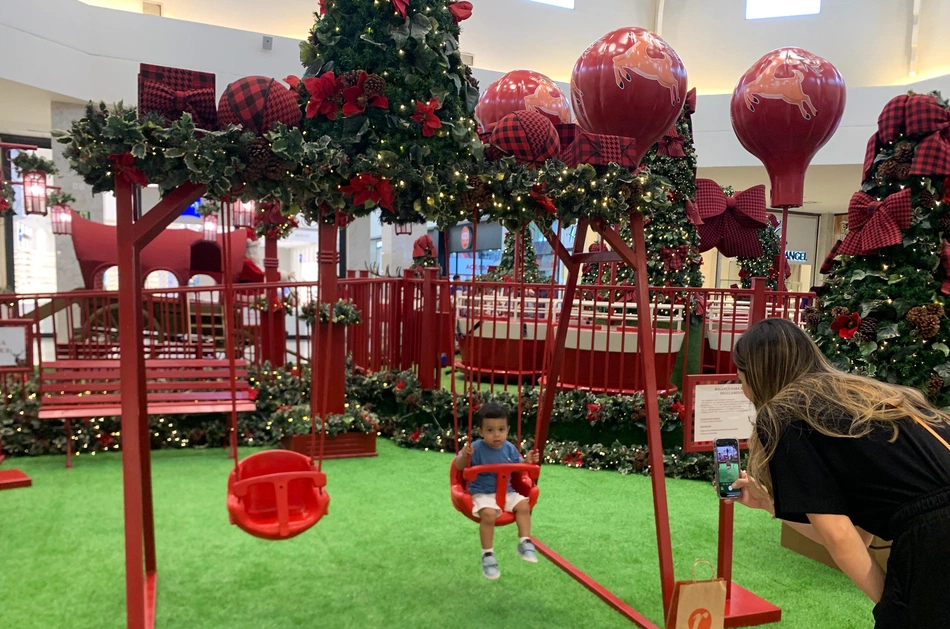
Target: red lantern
520, 90
209, 227
244, 213
34, 192
403, 229
785, 108
61, 217
629, 83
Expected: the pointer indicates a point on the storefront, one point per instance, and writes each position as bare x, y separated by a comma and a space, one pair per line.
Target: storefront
470, 248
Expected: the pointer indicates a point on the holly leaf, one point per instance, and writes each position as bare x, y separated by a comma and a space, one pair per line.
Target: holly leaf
308, 53
868, 348
138, 150
941, 347
841, 363
868, 306
894, 279
471, 97
328, 40
902, 306
173, 153
858, 274
313, 69
943, 371
887, 331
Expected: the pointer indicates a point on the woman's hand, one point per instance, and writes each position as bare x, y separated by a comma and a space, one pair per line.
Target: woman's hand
753, 495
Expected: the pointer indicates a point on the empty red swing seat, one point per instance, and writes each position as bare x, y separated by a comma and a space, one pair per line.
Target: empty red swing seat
523, 477
280, 494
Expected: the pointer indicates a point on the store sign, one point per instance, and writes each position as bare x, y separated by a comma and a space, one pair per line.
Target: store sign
465, 238
796, 256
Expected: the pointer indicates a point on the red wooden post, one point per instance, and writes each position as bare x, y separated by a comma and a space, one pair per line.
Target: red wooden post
335, 363
273, 321
428, 349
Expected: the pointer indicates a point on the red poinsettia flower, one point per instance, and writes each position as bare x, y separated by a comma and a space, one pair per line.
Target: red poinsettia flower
4, 204
743, 274
401, 6
679, 409
355, 100
124, 164
400, 385
252, 394
105, 440
292, 81
415, 436
593, 413
323, 7
425, 115
386, 196
575, 460
461, 10
323, 91
537, 193
846, 325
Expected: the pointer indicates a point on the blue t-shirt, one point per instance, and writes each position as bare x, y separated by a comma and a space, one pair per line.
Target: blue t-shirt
484, 454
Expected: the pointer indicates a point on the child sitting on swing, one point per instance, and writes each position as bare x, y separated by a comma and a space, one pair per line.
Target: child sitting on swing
494, 448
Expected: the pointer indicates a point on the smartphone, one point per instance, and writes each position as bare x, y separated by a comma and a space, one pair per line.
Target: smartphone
727, 467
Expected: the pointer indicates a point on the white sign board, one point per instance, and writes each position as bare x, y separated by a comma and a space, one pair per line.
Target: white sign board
12, 345
721, 411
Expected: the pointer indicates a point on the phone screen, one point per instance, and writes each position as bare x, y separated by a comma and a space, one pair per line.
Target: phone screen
727, 467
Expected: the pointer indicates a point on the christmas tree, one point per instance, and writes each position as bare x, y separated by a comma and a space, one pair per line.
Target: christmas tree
385, 81
672, 243
764, 265
519, 254
881, 310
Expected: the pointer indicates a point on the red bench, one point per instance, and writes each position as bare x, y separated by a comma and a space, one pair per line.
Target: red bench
71, 389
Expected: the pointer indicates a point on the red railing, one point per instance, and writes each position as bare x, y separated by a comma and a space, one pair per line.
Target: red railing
418, 322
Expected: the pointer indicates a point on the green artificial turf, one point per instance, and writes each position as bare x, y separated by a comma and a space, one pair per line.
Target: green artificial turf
392, 552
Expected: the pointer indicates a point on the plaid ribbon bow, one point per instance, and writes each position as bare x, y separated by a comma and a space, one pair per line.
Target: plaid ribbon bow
671, 145
945, 264
423, 247
170, 92
599, 150
874, 224
917, 116
690, 104
674, 258
730, 224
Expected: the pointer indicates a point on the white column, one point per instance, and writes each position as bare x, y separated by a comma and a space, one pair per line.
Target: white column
397, 250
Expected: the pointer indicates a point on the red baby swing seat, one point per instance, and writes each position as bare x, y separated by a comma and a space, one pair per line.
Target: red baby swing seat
522, 475
280, 495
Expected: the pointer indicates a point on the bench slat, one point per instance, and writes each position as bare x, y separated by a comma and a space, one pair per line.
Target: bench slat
153, 409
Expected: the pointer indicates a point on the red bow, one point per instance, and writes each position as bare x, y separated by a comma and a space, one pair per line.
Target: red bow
945, 264
916, 116
674, 258
537, 193
368, 188
423, 247
401, 6
778, 263
425, 115
690, 104
293, 82
461, 10
124, 164
171, 104
730, 224
829, 264
692, 214
271, 221
671, 145
873, 224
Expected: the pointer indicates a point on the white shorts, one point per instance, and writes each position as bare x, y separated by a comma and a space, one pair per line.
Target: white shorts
487, 501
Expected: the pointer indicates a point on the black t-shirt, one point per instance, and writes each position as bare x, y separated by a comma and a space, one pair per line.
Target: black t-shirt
866, 478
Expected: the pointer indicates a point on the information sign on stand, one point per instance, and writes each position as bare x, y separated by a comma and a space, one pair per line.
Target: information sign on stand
16, 345
716, 408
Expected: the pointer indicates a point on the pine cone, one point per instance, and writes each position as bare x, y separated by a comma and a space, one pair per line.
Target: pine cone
916, 316
902, 171
812, 317
935, 309
904, 152
261, 161
943, 223
478, 197
934, 384
375, 85
837, 311
351, 79
887, 170
867, 330
926, 199
632, 191
470, 77
930, 327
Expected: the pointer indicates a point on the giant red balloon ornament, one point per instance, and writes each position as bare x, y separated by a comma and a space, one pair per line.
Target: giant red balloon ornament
521, 90
785, 108
629, 83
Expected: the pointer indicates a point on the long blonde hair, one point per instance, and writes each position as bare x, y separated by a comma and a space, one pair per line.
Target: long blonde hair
790, 379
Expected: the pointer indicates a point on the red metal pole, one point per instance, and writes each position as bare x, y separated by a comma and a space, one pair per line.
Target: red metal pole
428, 349
133, 399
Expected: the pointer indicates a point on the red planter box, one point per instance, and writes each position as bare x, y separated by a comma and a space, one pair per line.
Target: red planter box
347, 445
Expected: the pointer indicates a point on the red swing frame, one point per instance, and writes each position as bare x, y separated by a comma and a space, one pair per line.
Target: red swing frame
743, 608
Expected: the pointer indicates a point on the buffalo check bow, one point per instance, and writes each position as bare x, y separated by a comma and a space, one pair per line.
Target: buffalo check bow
730, 224
919, 117
874, 224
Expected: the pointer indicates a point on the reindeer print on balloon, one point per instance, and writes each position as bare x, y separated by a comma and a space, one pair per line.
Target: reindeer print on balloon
651, 58
781, 79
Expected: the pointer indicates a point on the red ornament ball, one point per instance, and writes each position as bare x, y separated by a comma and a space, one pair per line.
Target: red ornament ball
629, 83
257, 103
521, 90
528, 136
